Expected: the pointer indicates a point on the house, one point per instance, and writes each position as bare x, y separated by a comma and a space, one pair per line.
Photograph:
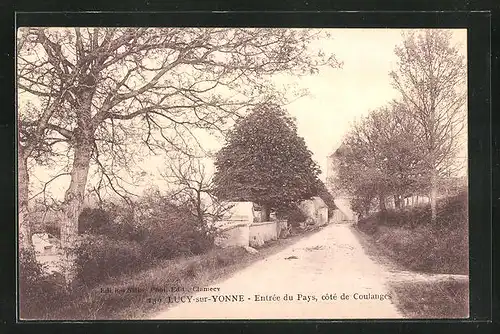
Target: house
242, 226
316, 211
343, 213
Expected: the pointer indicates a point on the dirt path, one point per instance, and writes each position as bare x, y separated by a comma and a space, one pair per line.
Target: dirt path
328, 262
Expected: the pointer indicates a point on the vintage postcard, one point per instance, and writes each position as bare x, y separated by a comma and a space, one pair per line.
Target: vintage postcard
242, 173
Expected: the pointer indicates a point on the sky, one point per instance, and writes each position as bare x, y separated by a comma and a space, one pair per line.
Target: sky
340, 96
337, 96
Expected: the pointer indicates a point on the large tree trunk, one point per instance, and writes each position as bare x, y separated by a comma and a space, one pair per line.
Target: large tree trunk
25, 242
72, 206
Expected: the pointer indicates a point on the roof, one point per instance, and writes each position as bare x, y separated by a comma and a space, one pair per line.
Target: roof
340, 150
318, 202
326, 196
237, 211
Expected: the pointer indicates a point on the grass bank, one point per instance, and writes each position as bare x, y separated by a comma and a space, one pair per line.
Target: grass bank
432, 300
406, 240
133, 299
408, 237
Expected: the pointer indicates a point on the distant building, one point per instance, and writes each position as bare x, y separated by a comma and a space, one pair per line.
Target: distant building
333, 167
342, 200
316, 211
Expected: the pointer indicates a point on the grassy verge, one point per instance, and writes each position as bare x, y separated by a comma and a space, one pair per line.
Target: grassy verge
409, 238
419, 300
433, 300
406, 241
133, 299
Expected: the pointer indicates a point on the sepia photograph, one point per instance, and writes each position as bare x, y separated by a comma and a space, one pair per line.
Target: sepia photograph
242, 173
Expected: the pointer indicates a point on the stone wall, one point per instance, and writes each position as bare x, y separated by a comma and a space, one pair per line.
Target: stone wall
243, 234
262, 232
234, 235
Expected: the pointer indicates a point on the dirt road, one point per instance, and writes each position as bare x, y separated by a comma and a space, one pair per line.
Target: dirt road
328, 263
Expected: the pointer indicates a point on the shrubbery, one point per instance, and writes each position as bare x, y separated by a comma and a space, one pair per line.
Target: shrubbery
451, 211
115, 240
100, 257
121, 240
38, 293
414, 242
94, 221
292, 214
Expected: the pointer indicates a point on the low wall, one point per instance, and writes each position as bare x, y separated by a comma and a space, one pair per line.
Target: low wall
262, 232
234, 235
244, 234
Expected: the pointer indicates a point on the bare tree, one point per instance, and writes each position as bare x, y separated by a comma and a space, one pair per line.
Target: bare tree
105, 87
193, 187
33, 141
431, 77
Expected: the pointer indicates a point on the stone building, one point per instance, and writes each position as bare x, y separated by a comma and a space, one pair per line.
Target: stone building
316, 211
344, 212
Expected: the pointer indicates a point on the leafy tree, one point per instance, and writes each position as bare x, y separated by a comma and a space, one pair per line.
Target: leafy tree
380, 157
361, 181
89, 92
265, 161
431, 77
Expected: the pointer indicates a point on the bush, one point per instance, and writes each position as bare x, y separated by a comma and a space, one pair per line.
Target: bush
94, 221
127, 247
413, 241
120, 239
115, 222
168, 239
99, 257
451, 211
53, 228
292, 214
38, 293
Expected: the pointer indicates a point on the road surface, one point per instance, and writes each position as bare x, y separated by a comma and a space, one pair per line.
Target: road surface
328, 263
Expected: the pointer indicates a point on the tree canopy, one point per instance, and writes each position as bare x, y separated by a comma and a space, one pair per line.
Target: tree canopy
93, 100
431, 76
411, 145
265, 161
380, 157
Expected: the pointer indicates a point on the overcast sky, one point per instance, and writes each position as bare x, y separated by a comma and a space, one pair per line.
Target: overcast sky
337, 96
340, 96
